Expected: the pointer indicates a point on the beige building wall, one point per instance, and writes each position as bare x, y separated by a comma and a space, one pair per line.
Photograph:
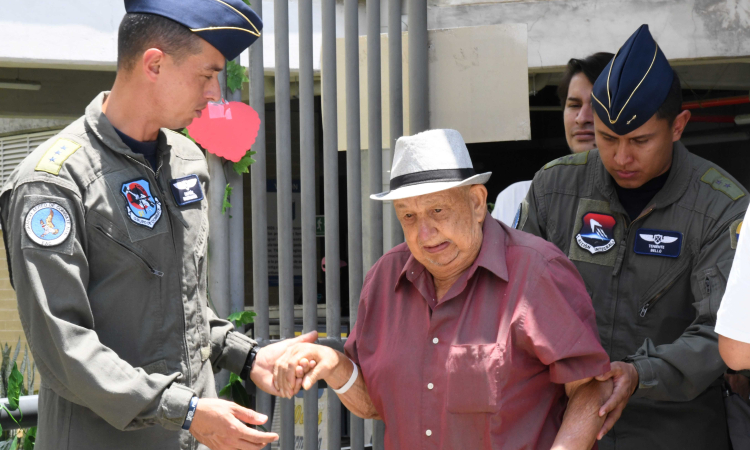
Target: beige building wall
10, 323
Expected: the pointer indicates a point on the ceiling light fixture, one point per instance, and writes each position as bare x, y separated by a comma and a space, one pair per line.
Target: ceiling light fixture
21, 85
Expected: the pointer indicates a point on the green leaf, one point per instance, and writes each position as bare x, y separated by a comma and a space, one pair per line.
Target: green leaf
29, 439
235, 76
15, 384
247, 2
187, 135
226, 391
241, 318
243, 165
14, 444
239, 394
225, 204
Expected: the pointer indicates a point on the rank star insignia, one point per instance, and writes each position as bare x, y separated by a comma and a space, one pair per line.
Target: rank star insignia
596, 234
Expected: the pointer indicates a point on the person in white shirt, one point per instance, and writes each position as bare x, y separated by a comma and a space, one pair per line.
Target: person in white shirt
578, 117
734, 313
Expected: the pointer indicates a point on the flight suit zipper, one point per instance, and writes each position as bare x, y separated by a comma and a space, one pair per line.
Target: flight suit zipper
157, 187
143, 260
645, 306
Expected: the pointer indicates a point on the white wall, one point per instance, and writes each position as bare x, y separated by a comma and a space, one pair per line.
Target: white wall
83, 33
562, 29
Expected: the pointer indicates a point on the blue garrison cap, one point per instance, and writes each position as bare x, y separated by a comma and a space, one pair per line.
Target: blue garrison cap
229, 25
634, 84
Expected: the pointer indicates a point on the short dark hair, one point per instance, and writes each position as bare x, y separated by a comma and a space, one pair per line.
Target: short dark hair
591, 66
672, 105
139, 32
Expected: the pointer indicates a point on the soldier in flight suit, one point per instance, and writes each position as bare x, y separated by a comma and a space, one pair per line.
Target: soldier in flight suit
114, 306
650, 227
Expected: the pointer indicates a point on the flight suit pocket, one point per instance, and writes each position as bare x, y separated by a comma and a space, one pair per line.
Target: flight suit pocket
473, 372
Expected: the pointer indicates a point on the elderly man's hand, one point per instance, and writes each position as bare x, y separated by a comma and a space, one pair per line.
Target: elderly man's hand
262, 373
302, 365
220, 425
625, 377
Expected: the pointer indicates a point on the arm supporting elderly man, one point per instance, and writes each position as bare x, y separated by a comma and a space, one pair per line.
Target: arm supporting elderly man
311, 363
581, 425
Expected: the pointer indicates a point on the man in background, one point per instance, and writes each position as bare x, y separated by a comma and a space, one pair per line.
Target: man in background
574, 92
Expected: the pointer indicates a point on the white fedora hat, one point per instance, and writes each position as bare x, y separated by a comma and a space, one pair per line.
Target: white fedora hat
431, 161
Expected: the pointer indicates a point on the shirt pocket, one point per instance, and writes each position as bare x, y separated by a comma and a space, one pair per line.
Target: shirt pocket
473, 373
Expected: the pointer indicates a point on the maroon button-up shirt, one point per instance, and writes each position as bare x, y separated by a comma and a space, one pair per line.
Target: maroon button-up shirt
485, 366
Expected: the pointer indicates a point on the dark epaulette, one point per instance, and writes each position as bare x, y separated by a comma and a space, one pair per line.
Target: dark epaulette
575, 159
722, 183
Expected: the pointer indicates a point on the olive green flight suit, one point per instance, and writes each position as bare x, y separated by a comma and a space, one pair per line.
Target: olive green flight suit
110, 275
656, 308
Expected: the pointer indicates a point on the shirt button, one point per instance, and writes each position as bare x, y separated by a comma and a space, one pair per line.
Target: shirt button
428, 432
430, 386
435, 340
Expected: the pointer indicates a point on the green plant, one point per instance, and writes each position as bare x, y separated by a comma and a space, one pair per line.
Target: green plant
235, 390
12, 387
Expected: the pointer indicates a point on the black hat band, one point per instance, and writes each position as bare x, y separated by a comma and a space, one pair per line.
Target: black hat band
431, 176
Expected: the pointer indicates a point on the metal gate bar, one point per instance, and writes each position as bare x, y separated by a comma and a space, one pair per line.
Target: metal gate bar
307, 179
396, 96
418, 105
284, 203
353, 185
375, 132
236, 229
331, 207
259, 204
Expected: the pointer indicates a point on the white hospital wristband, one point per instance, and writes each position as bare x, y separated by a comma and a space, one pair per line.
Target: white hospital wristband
350, 383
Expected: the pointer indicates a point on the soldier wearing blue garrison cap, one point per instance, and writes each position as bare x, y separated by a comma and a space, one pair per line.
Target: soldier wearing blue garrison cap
652, 230
106, 229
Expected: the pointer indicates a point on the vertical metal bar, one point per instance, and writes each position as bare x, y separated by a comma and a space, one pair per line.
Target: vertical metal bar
284, 201
307, 175
353, 184
259, 203
375, 129
218, 238
395, 77
331, 207
418, 101
236, 229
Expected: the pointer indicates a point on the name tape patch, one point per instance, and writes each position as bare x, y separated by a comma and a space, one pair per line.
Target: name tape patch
186, 190
48, 224
658, 242
142, 207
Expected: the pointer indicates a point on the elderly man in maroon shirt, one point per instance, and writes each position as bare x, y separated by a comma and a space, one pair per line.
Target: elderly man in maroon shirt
471, 335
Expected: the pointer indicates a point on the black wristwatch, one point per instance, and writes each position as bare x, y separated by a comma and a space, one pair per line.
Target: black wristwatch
249, 362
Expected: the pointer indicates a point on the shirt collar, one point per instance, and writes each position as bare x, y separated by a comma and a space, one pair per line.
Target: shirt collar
105, 131
491, 255
676, 185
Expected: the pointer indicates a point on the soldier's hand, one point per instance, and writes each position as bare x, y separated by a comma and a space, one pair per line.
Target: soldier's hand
304, 364
262, 373
625, 377
221, 425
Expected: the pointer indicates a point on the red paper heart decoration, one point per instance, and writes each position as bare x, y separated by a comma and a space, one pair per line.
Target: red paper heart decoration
226, 129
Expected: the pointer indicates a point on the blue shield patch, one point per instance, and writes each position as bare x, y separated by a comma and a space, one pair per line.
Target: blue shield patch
186, 190
48, 224
142, 207
658, 243
518, 217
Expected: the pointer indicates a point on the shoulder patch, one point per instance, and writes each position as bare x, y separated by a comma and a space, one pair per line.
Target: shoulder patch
48, 224
55, 156
734, 233
719, 182
576, 159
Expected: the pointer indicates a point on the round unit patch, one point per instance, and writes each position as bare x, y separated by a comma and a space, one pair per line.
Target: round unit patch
48, 224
